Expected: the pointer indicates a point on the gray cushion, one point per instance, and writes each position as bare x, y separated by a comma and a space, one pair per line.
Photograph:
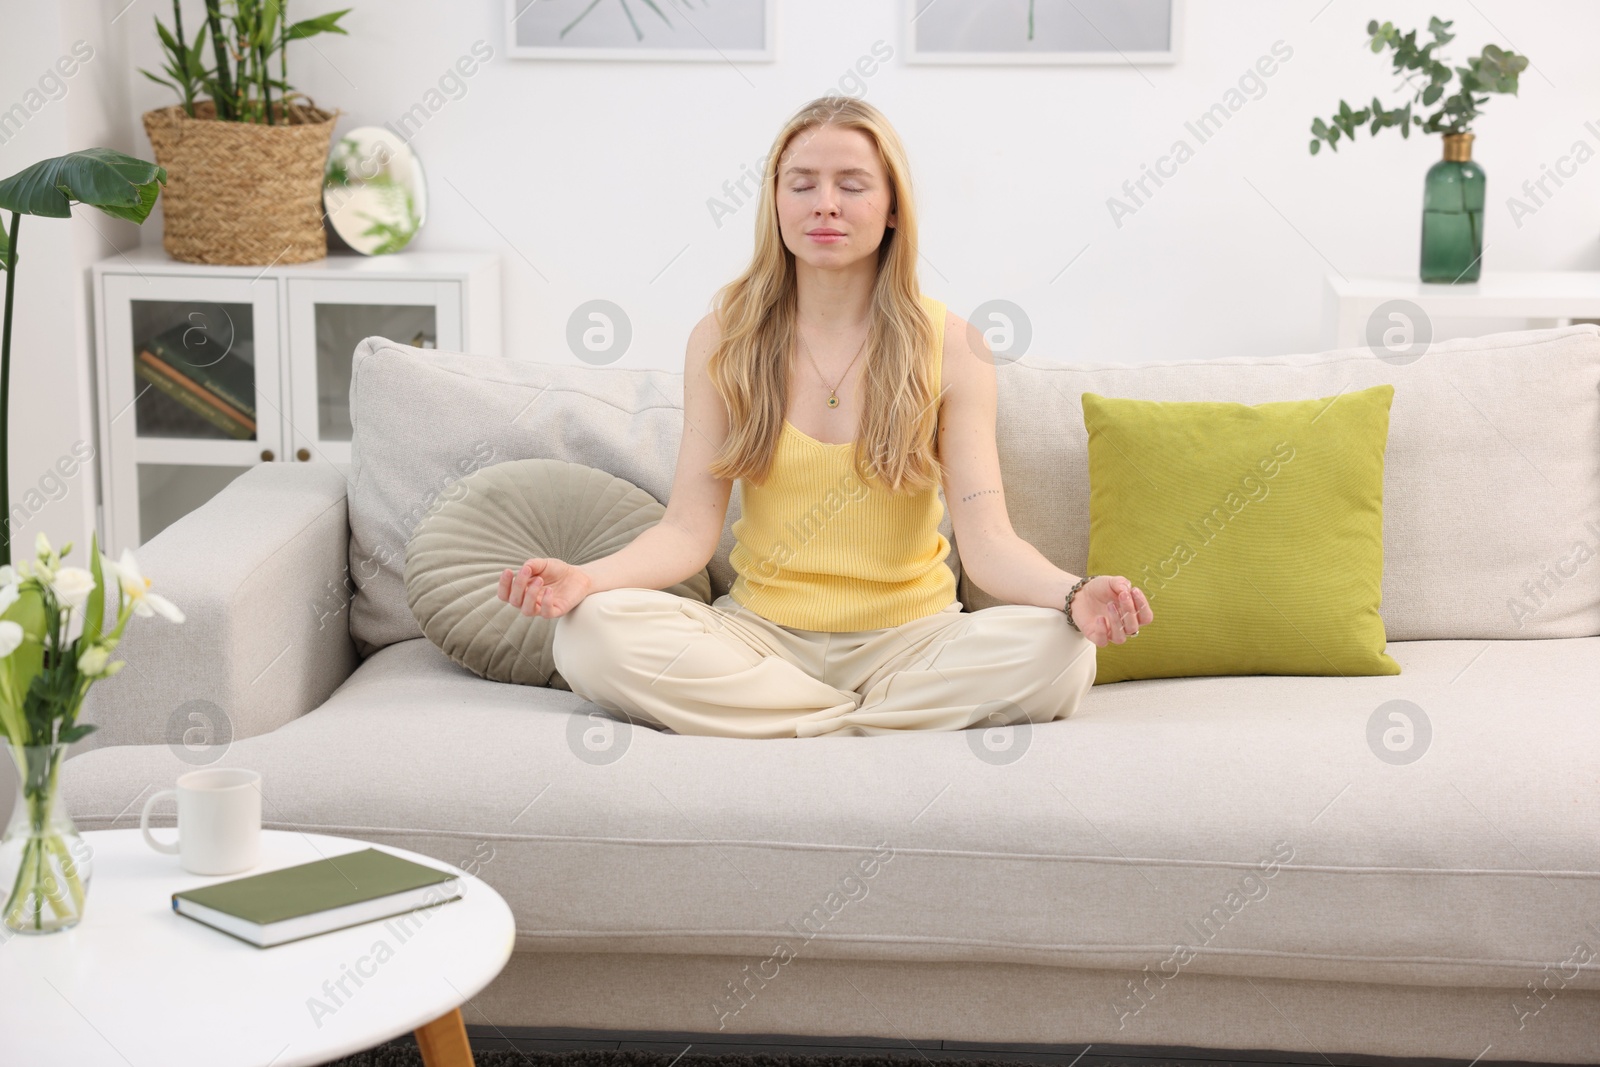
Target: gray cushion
501, 517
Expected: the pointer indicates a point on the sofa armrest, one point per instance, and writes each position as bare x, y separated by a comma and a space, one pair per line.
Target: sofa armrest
260, 572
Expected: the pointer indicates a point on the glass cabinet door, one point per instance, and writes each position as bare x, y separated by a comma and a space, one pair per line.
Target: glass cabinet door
192, 391
327, 319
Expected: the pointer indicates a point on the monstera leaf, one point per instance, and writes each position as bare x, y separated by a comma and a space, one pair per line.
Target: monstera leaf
121, 186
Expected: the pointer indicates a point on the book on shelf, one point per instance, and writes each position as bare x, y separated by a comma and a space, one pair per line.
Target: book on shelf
220, 371
223, 416
158, 415
317, 897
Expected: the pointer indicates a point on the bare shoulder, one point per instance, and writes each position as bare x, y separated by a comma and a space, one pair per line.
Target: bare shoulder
703, 341
704, 410
966, 353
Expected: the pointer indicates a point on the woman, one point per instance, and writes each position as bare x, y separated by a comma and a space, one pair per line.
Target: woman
842, 398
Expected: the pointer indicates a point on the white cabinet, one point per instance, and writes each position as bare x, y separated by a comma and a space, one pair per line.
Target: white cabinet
205, 371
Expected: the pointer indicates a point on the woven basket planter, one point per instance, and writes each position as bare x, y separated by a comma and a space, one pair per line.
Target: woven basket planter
240, 192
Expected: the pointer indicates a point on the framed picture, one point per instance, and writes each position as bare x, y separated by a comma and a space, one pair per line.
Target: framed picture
1042, 31
702, 31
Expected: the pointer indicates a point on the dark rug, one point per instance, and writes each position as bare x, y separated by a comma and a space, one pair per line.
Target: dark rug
403, 1053
406, 1055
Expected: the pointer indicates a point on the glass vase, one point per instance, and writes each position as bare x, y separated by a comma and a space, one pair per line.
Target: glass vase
1452, 215
45, 863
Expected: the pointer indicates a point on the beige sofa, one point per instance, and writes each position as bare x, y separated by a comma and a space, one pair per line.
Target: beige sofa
1229, 862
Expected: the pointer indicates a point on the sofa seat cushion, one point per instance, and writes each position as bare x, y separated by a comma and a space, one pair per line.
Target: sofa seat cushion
1146, 822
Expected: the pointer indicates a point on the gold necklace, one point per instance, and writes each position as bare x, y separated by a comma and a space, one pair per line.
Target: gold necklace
833, 390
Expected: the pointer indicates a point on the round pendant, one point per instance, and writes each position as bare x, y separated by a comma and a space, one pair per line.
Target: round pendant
833, 401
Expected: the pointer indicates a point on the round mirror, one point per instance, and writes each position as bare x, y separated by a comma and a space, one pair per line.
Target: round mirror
373, 191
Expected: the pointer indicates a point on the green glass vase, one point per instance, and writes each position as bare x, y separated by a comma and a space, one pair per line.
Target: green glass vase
1452, 215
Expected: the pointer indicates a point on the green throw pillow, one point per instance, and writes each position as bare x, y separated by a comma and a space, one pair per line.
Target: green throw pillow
1256, 532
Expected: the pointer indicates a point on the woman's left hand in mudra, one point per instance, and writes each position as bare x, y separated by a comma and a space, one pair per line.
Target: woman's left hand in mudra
1109, 609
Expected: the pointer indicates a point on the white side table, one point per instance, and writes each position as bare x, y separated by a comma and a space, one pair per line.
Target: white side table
1544, 298
137, 983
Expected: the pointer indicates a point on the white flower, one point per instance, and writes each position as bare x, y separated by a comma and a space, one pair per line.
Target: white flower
9, 575
10, 637
8, 596
93, 661
135, 587
72, 586
49, 559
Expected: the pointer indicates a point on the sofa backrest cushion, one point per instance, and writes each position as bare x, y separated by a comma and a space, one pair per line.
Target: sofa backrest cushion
1491, 502
1491, 477
422, 420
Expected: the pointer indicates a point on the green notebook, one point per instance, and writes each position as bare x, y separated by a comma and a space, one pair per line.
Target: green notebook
314, 898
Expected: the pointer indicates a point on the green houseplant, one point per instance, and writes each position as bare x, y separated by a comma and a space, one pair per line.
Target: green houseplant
1453, 192
121, 186
245, 150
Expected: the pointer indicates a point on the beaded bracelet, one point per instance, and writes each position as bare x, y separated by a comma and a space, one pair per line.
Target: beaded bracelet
1067, 607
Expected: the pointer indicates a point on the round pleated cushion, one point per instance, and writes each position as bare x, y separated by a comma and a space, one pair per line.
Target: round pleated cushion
502, 516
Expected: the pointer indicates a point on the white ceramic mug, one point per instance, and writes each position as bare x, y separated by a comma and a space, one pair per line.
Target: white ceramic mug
219, 821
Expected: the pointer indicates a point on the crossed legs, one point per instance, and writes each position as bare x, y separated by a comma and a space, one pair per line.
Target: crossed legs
722, 670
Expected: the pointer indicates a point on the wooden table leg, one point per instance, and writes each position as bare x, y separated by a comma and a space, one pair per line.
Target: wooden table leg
444, 1041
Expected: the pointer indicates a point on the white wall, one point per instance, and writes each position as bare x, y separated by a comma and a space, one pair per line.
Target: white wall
591, 178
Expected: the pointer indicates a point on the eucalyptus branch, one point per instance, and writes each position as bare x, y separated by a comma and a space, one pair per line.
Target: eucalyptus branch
1494, 70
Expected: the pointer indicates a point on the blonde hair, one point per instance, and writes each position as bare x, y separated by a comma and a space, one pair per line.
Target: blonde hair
756, 312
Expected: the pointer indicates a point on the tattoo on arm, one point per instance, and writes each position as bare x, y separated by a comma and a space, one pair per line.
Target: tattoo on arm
980, 492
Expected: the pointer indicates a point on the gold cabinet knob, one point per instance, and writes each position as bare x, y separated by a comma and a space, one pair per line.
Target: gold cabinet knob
266, 454
303, 455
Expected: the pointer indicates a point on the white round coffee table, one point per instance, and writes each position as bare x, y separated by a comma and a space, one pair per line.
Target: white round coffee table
135, 983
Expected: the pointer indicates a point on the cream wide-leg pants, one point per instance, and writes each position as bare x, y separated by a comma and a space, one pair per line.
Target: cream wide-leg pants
723, 670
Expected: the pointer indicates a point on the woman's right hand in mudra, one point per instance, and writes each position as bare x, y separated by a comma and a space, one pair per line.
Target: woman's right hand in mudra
544, 587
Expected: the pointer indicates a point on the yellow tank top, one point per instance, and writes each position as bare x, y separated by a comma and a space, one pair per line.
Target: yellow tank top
820, 548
